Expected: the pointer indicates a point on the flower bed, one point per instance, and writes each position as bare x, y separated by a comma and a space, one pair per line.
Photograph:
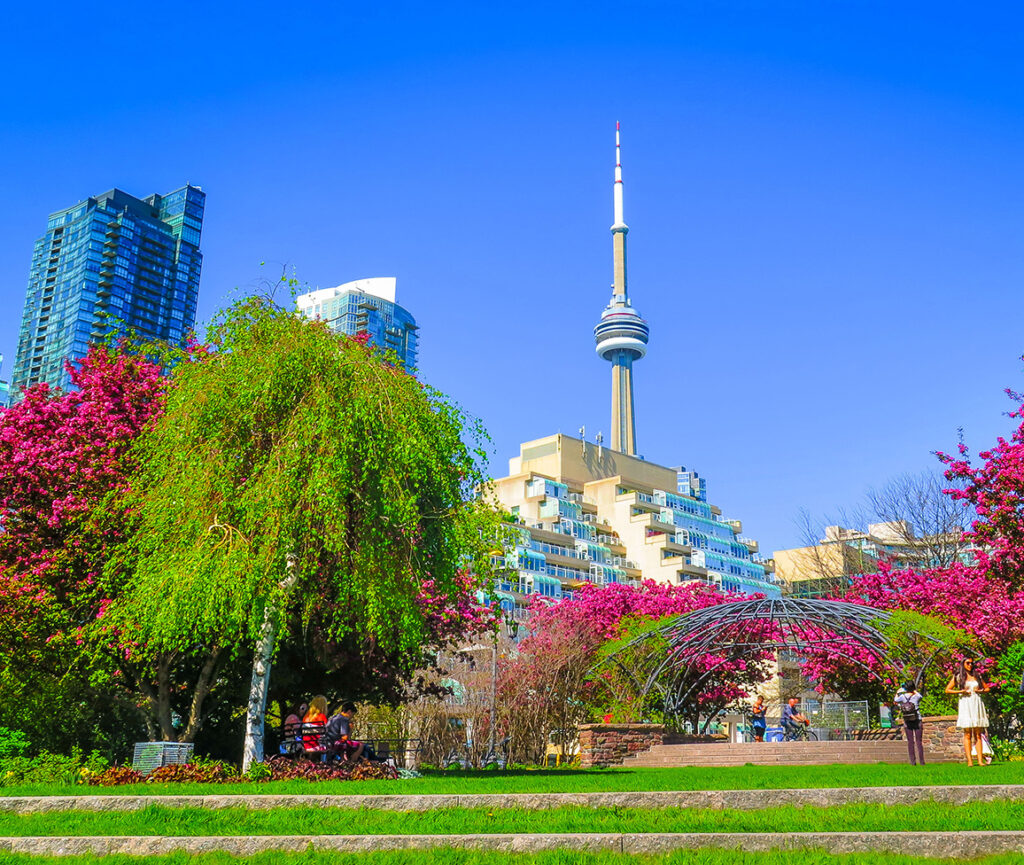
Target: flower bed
216, 772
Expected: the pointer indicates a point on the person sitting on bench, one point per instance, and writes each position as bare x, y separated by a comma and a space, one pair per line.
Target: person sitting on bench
291, 732
312, 726
339, 734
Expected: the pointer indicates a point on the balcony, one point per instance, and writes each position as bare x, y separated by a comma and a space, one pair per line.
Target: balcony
659, 527
677, 548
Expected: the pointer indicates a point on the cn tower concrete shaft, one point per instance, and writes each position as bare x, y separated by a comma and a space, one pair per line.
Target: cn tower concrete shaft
623, 420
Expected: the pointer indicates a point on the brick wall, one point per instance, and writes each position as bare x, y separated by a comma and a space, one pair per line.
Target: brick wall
610, 744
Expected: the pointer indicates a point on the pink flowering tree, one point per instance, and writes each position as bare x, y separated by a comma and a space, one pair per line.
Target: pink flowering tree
965, 597
64, 459
995, 489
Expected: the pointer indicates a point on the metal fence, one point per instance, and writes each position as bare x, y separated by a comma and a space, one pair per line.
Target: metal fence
848, 715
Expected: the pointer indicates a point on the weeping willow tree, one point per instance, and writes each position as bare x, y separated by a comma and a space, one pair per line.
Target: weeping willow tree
295, 470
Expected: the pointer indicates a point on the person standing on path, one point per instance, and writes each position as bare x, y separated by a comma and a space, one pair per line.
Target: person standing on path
758, 718
971, 715
909, 702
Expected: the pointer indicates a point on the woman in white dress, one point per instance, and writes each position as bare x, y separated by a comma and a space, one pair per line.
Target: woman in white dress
971, 716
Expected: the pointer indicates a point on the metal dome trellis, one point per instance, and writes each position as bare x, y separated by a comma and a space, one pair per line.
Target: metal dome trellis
700, 642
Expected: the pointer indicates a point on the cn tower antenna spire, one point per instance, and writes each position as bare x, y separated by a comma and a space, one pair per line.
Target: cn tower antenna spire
619, 227
619, 221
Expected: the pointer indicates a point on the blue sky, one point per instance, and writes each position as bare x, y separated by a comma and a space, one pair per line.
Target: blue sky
825, 204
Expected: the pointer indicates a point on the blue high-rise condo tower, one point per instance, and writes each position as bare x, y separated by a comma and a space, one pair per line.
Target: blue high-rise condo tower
621, 334
5, 387
366, 306
110, 263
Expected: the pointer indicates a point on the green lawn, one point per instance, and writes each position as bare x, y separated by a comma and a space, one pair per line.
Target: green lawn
471, 857
309, 820
595, 780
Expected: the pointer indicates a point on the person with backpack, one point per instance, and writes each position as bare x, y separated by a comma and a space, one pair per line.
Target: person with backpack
909, 702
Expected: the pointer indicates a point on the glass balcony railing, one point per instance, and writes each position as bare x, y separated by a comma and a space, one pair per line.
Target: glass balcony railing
554, 550
566, 573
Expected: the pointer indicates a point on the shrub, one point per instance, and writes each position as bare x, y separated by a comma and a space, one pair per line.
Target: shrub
366, 771
305, 770
47, 768
115, 776
1004, 750
13, 743
198, 772
217, 772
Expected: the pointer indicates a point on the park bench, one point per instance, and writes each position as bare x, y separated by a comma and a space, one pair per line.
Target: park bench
392, 750
304, 740
310, 741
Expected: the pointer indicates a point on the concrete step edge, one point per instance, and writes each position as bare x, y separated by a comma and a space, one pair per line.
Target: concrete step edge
957, 845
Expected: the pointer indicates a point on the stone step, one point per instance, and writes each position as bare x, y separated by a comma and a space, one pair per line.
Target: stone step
776, 754
763, 747
760, 746
947, 845
896, 747
805, 758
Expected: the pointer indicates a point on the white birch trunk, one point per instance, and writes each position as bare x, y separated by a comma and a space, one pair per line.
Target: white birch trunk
252, 752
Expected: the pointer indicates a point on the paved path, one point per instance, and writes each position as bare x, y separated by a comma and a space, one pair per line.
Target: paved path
959, 845
738, 799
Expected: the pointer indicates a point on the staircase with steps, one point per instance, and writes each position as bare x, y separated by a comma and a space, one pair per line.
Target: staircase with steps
776, 754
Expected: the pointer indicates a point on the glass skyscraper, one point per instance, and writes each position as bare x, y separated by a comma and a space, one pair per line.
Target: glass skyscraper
5, 387
110, 263
366, 306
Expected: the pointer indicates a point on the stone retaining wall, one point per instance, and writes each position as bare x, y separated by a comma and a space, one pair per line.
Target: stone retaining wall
941, 737
746, 800
611, 744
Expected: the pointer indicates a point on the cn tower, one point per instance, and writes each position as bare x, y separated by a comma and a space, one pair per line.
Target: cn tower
621, 335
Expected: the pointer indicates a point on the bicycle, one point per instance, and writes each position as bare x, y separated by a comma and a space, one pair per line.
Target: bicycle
802, 733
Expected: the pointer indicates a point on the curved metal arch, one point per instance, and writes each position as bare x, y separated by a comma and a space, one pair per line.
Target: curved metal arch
756, 625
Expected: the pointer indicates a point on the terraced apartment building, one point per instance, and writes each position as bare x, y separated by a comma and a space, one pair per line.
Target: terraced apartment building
588, 514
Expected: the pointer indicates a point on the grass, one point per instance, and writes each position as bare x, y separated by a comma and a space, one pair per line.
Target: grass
308, 820
472, 857
590, 780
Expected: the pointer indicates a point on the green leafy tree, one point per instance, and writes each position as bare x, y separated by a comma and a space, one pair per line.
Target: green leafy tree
1008, 721
299, 478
